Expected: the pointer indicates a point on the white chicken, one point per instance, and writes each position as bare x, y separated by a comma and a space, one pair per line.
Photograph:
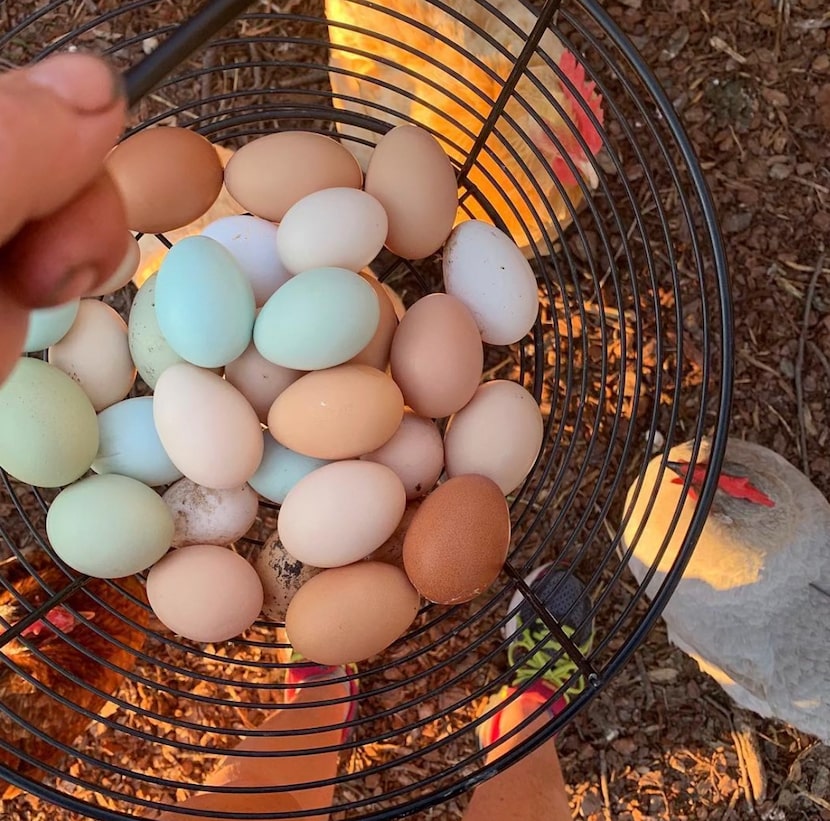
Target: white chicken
389, 61
753, 606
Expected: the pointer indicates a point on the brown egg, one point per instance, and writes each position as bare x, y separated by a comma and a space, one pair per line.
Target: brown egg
168, 177
437, 356
337, 413
348, 614
414, 180
376, 353
391, 551
457, 542
268, 175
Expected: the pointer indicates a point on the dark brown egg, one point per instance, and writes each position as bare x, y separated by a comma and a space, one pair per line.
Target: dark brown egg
457, 542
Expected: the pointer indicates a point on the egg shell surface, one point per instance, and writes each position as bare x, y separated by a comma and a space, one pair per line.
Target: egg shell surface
203, 515
109, 526
339, 413
95, 352
49, 325
205, 593
281, 469
413, 179
341, 512
130, 445
498, 434
281, 575
204, 303
437, 356
488, 272
269, 174
349, 614
457, 542
207, 427
253, 244
48, 427
319, 319
259, 380
376, 353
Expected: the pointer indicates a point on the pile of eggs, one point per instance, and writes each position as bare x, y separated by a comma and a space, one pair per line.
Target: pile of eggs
283, 370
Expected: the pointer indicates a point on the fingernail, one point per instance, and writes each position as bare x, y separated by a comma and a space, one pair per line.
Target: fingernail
75, 283
89, 84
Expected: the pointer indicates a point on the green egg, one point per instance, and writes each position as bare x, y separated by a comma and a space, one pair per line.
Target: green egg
109, 526
48, 427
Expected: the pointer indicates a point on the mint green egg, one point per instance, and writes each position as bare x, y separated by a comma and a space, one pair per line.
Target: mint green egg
204, 303
281, 469
47, 326
109, 526
48, 427
318, 319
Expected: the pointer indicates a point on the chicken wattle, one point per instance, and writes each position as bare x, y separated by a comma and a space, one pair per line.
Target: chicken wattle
753, 606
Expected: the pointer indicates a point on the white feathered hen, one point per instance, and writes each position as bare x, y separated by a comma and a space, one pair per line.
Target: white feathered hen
753, 606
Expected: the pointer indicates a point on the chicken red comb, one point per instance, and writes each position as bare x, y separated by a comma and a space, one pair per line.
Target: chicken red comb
738, 487
587, 90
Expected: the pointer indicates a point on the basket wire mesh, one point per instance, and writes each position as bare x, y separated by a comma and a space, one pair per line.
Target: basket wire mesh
631, 354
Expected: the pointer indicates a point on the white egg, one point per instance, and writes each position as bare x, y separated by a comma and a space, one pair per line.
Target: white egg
487, 271
207, 516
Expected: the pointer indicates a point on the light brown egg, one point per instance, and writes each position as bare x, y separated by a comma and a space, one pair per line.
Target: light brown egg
391, 551
414, 180
269, 174
337, 413
437, 356
457, 542
376, 353
168, 177
349, 614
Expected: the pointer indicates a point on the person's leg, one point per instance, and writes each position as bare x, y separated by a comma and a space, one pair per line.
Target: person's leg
268, 770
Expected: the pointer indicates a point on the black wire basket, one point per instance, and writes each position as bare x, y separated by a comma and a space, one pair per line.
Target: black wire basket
631, 354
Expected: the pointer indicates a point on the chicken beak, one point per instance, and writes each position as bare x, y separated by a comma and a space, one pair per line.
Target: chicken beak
679, 468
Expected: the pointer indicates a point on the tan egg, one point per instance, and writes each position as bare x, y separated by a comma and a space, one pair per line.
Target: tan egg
457, 542
205, 593
349, 614
210, 432
337, 413
391, 551
96, 354
259, 380
414, 180
437, 356
269, 174
281, 575
415, 453
124, 273
168, 177
376, 353
498, 435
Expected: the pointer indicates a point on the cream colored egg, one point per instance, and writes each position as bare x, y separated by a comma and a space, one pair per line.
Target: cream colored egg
96, 354
281, 575
207, 427
204, 515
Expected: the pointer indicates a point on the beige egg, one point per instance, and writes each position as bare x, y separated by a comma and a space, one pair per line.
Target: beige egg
415, 453
341, 512
349, 614
414, 180
204, 515
281, 575
96, 354
269, 174
259, 380
498, 435
437, 356
124, 273
338, 413
210, 432
376, 353
205, 593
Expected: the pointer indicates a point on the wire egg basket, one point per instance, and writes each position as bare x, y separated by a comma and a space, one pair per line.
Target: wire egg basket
630, 355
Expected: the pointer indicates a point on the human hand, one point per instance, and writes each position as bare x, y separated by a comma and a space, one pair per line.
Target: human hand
63, 229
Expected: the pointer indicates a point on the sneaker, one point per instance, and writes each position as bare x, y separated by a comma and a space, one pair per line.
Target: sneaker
570, 604
301, 673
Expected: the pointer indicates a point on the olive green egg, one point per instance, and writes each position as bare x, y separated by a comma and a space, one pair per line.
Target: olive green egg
48, 427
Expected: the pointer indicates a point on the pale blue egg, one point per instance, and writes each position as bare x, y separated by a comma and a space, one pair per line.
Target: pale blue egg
130, 445
280, 470
47, 326
204, 303
318, 319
